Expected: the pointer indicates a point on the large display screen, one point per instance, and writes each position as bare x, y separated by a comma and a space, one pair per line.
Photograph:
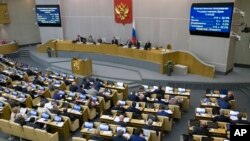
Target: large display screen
48, 15
211, 19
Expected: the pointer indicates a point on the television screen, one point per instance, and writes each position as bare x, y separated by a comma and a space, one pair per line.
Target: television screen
33, 113
211, 19
48, 15
58, 118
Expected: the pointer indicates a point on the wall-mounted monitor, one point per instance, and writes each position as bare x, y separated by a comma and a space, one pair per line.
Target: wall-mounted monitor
211, 19
48, 15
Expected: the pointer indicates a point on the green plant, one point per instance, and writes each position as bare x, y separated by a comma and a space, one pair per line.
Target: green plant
169, 67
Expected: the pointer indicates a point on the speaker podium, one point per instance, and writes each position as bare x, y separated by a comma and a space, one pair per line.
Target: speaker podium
81, 67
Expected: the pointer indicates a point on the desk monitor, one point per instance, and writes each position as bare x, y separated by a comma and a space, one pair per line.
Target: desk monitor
41, 88
121, 128
7, 90
63, 75
77, 107
33, 113
200, 110
88, 125
61, 92
22, 95
212, 125
72, 94
71, 76
33, 86
56, 73
82, 96
57, 82
120, 84
42, 78
145, 86
45, 115
58, 118
122, 103
14, 93
1, 104
104, 127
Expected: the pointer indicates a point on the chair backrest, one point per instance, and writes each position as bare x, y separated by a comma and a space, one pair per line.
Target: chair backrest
17, 129
5, 126
29, 132
78, 139
42, 134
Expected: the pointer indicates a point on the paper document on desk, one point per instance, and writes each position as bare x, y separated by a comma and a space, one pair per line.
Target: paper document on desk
59, 124
222, 95
116, 119
126, 119
233, 117
57, 85
107, 132
169, 111
41, 120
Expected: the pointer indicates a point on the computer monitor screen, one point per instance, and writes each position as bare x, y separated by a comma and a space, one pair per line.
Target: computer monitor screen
7, 90
33, 86
88, 125
22, 95
121, 128
61, 92
72, 94
211, 19
45, 115
71, 76
200, 110
58, 118
33, 113
14, 93
104, 127
122, 103
77, 107
1, 104
57, 82
41, 88
82, 96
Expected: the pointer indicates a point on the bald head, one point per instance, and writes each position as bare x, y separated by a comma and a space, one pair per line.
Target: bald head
150, 121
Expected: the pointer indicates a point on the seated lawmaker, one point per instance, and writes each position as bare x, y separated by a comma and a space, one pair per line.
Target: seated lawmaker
240, 120
119, 136
96, 136
119, 108
201, 130
221, 117
149, 125
90, 39
162, 111
121, 121
133, 108
129, 43
147, 46
114, 41
99, 40
137, 136
73, 87
80, 39
230, 96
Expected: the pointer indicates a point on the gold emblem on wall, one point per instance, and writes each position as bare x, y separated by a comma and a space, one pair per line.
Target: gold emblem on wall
76, 65
122, 10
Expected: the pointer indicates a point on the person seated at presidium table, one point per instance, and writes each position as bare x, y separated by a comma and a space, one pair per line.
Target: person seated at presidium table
79, 39
90, 39
114, 41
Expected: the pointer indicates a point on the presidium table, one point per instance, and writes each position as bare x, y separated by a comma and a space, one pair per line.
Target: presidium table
153, 56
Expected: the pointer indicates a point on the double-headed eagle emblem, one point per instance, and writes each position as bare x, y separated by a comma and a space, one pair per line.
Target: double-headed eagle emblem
122, 11
76, 65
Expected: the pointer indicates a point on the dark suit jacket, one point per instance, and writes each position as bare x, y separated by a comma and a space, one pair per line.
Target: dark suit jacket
241, 122
115, 41
137, 138
33, 125
119, 108
118, 138
200, 131
73, 88
221, 118
134, 110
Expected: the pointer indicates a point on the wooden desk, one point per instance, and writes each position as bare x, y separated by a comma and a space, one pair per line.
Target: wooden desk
8, 48
62, 129
5, 112
195, 65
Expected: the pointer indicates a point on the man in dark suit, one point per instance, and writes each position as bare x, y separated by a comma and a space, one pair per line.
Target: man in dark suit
80, 39
149, 125
65, 113
137, 136
114, 41
201, 130
119, 108
32, 123
221, 117
73, 87
162, 111
119, 136
240, 121
133, 108
147, 46
97, 84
